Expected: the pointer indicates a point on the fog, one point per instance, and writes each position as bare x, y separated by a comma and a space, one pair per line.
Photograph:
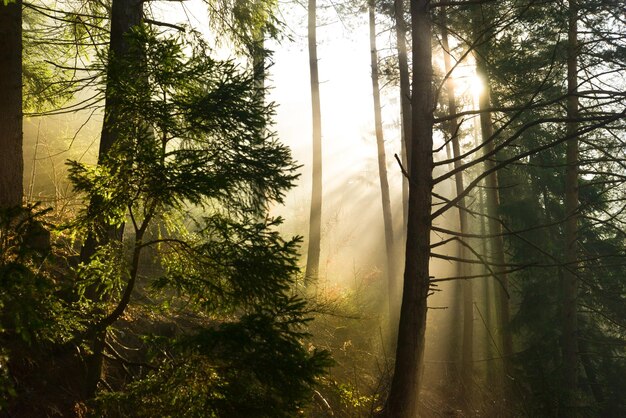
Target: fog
546, 147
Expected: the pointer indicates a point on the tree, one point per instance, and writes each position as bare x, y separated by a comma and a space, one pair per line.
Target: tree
192, 162
537, 96
207, 147
482, 37
570, 281
315, 221
11, 159
382, 163
454, 126
403, 395
405, 94
247, 24
125, 15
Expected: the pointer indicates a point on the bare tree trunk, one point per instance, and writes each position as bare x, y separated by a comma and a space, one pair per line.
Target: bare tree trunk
488, 314
570, 281
403, 396
315, 221
467, 358
382, 165
405, 97
492, 191
11, 158
489, 301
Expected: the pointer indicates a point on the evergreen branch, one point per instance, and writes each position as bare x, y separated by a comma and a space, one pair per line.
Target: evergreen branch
602, 122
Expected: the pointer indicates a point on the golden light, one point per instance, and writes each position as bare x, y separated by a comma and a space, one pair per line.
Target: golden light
476, 86
468, 83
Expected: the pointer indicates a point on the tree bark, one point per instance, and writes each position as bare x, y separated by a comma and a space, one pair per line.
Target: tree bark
467, 357
11, 158
125, 14
382, 166
405, 98
491, 190
570, 281
315, 221
404, 393
258, 53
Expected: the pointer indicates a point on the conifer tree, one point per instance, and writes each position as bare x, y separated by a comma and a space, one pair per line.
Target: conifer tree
194, 145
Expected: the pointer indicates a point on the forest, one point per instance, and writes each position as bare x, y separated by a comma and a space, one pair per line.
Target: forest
320, 208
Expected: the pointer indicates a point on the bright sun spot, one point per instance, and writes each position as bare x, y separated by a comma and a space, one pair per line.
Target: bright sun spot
469, 84
476, 86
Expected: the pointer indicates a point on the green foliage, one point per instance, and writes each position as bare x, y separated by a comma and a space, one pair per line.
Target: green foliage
247, 22
532, 194
235, 265
348, 324
256, 366
192, 168
524, 47
33, 311
193, 132
31, 305
55, 43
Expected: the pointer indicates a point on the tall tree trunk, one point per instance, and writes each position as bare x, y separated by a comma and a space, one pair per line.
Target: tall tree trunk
570, 281
403, 396
491, 183
382, 166
259, 54
488, 314
488, 305
11, 158
467, 358
405, 98
125, 14
315, 221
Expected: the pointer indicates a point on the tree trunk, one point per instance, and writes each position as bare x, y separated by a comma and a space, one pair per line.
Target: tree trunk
403, 396
467, 358
125, 14
488, 288
258, 53
315, 221
382, 166
405, 98
491, 189
570, 281
490, 351
11, 159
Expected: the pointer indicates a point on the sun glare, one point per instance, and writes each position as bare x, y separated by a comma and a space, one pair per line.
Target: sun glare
476, 86
469, 84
